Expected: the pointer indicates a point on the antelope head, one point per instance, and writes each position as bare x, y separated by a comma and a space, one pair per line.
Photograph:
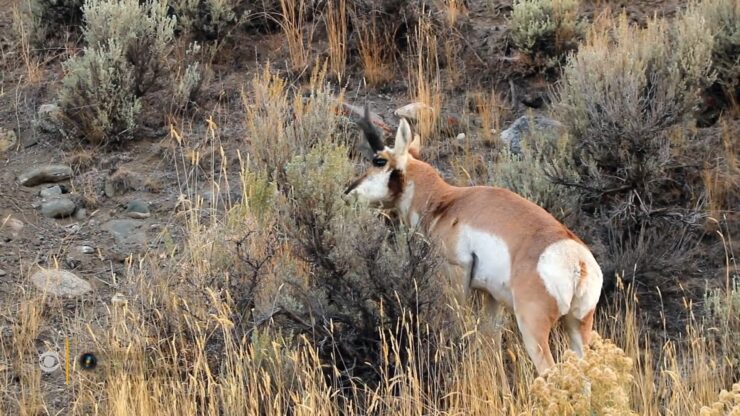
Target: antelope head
383, 183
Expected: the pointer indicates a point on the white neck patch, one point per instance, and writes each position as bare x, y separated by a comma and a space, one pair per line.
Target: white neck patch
404, 205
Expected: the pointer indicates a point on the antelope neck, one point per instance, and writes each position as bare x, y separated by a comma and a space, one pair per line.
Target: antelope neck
425, 194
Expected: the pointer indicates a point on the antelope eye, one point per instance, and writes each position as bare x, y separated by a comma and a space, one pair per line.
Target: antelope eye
379, 161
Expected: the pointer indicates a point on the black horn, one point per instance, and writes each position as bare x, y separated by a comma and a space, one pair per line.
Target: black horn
372, 133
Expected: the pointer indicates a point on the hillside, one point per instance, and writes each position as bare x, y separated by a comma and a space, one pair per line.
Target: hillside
183, 161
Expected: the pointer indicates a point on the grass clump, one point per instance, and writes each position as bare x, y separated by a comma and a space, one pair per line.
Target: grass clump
546, 29
598, 384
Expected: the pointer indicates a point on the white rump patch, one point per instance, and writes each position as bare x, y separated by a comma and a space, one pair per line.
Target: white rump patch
559, 267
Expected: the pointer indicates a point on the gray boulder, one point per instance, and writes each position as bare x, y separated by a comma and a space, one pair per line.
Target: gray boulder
526, 125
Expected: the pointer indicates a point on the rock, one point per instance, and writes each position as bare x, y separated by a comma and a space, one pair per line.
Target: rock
460, 137
126, 231
355, 113
512, 136
8, 140
48, 117
60, 282
138, 209
412, 111
3, 273
86, 249
15, 225
130, 238
80, 214
58, 207
45, 174
52, 191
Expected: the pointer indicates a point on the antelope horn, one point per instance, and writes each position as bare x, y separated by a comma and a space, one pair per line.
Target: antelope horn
372, 133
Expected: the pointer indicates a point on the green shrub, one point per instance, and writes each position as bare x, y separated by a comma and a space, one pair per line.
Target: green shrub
546, 29
97, 99
365, 278
189, 78
143, 30
53, 17
206, 19
624, 98
543, 154
723, 19
127, 44
618, 100
282, 124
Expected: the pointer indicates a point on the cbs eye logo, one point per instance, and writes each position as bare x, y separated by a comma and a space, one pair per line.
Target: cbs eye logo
50, 361
88, 361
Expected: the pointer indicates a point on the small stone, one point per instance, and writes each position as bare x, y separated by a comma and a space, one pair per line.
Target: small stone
51, 191
412, 111
138, 209
14, 224
86, 250
80, 214
60, 282
3, 273
8, 140
45, 174
48, 116
119, 300
58, 207
461, 136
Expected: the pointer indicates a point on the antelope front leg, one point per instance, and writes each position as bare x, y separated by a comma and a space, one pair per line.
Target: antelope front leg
493, 310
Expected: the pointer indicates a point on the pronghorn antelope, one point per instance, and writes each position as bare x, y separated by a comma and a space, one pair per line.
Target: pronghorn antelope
511, 248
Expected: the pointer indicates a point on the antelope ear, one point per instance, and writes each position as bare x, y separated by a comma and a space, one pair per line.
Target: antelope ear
415, 147
403, 139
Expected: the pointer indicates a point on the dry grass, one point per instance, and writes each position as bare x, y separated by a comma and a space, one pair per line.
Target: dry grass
425, 83
375, 57
336, 32
298, 35
453, 10
156, 357
31, 62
